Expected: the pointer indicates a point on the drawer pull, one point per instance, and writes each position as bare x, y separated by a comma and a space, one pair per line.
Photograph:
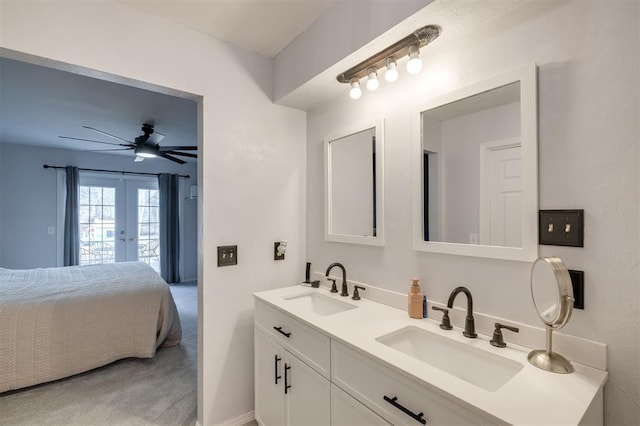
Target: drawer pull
393, 402
286, 377
277, 360
279, 330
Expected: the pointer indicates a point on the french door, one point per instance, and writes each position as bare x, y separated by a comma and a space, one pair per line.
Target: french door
119, 220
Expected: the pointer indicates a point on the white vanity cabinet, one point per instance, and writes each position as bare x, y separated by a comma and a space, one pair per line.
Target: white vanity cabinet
393, 396
287, 390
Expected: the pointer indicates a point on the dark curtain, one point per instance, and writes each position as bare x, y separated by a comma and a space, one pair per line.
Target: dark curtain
169, 227
71, 251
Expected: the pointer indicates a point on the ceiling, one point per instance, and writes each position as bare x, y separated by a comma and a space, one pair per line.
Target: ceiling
267, 26
39, 104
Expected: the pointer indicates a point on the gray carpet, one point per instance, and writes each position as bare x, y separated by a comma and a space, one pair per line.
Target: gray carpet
157, 391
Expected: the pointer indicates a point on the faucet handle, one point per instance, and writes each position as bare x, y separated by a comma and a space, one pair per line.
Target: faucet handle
334, 288
356, 295
446, 322
498, 339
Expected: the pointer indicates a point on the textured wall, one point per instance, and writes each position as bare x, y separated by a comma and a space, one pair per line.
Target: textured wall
244, 138
588, 58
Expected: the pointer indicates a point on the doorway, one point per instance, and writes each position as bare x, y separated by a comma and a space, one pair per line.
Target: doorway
119, 220
501, 193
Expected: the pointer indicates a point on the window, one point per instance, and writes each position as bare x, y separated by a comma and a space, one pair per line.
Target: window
149, 227
97, 206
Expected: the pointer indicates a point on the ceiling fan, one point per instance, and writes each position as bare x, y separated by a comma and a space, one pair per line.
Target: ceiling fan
144, 146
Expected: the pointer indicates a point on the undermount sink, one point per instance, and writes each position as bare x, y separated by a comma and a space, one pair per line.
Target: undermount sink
483, 369
319, 304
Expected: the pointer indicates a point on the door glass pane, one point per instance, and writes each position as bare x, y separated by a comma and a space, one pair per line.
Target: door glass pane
148, 227
97, 224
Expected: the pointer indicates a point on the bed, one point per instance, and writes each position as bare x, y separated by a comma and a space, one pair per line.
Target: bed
57, 322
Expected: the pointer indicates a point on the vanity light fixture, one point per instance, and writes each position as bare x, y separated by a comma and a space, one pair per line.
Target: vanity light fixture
372, 82
408, 46
391, 74
355, 91
414, 66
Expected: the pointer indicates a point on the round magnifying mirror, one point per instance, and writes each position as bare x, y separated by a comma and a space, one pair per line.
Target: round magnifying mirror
552, 295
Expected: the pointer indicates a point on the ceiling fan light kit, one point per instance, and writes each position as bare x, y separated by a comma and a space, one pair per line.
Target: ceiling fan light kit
144, 146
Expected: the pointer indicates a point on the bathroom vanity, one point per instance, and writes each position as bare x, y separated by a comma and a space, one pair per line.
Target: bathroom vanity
325, 359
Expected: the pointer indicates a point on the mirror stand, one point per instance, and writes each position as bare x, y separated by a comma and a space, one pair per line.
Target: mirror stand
548, 360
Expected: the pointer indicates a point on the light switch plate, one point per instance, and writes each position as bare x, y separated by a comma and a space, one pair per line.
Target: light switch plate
577, 281
561, 228
227, 255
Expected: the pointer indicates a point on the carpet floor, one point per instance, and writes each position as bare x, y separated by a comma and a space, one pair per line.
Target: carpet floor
130, 392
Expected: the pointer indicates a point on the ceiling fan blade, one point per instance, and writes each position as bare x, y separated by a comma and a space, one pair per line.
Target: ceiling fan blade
169, 157
155, 138
106, 134
179, 148
184, 154
91, 140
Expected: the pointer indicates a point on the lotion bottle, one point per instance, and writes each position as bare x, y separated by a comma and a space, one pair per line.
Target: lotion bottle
415, 299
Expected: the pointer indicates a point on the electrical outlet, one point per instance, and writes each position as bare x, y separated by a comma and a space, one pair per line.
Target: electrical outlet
561, 227
227, 255
277, 256
577, 282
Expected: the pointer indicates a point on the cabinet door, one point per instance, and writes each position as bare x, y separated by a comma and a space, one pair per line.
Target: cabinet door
308, 394
347, 411
269, 380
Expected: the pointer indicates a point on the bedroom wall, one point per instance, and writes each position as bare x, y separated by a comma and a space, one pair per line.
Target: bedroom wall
244, 138
25, 184
588, 58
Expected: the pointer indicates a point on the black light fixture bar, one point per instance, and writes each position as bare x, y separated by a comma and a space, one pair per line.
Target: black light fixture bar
420, 37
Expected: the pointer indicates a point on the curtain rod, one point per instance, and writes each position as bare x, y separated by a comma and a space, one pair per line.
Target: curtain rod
46, 166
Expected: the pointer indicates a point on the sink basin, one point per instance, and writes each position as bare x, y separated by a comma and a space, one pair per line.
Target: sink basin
319, 304
483, 369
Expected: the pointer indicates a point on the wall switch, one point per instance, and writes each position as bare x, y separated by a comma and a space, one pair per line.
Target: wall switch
561, 227
51, 230
577, 281
227, 255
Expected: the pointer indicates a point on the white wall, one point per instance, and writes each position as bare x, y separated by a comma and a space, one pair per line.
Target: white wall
588, 59
244, 140
25, 184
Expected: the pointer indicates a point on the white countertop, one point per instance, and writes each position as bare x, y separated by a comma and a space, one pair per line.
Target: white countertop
532, 396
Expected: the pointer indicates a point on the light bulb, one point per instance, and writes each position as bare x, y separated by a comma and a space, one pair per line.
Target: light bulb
372, 82
355, 91
391, 74
414, 66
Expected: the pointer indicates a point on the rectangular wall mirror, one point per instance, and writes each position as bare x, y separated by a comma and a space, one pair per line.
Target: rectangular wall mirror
354, 182
475, 170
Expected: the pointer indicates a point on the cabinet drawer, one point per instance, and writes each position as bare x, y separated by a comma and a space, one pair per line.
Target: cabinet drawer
386, 391
306, 343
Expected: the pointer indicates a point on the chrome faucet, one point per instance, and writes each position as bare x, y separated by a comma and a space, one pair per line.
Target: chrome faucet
469, 323
344, 291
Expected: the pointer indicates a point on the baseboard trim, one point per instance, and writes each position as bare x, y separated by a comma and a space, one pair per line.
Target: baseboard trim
241, 420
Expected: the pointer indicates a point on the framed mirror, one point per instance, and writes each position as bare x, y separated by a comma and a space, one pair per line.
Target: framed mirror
475, 170
354, 182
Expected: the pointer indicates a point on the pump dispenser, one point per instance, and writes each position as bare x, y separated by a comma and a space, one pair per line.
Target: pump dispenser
415, 299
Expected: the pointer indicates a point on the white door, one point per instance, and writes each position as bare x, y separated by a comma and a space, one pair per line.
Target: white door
308, 394
269, 380
501, 194
119, 220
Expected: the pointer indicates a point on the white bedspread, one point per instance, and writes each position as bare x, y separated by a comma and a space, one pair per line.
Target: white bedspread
56, 322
